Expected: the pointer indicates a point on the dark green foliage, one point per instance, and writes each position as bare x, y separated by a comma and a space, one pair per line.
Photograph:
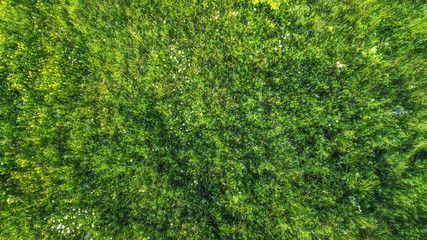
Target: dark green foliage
213, 119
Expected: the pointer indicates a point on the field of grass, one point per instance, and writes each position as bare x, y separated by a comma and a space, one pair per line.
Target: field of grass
201, 119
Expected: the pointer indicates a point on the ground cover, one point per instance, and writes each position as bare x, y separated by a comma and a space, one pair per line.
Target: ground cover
161, 119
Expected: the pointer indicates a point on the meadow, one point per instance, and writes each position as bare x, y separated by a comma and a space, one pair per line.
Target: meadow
205, 119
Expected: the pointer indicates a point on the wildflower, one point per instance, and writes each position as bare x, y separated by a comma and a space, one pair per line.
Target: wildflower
398, 112
93, 172
57, 116
65, 124
103, 141
84, 184
149, 156
303, 171
87, 121
405, 111
19, 105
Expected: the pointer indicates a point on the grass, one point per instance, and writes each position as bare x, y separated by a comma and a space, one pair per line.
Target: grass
212, 119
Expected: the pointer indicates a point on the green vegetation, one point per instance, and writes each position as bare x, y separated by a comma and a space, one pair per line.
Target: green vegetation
161, 119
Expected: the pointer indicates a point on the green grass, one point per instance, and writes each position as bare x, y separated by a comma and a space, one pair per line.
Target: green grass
213, 119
